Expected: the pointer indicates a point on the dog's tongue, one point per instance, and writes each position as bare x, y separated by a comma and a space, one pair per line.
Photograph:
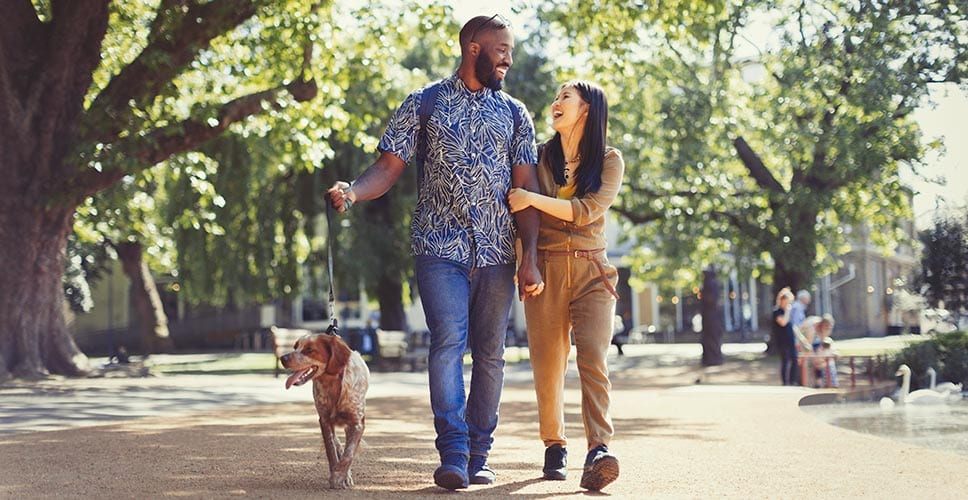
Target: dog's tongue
296, 378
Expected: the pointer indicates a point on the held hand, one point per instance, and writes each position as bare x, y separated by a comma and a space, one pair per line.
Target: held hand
338, 196
529, 281
518, 199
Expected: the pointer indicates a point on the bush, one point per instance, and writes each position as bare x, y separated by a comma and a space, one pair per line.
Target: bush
947, 353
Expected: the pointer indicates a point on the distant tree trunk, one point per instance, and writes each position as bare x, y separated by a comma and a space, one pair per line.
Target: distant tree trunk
389, 282
712, 320
152, 323
34, 339
389, 292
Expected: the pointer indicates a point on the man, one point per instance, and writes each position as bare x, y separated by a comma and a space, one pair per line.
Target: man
798, 312
480, 143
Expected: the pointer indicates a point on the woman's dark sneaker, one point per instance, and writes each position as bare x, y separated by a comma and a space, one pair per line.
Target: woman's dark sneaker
601, 468
556, 463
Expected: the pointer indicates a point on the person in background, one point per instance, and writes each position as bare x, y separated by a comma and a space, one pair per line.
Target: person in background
812, 333
579, 178
783, 335
618, 334
463, 236
798, 310
827, 367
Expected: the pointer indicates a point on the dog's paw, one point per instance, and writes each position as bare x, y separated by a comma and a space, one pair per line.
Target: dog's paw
341, 481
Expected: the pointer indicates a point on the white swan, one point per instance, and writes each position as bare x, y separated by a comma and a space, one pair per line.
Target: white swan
943, 387
920, 396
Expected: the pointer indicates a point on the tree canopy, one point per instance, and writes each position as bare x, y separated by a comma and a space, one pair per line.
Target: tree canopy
204, 130
944, 263
762, 131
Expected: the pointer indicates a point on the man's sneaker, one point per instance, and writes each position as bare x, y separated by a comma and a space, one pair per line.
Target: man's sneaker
479, 472
601, 468
556, 463
452, 473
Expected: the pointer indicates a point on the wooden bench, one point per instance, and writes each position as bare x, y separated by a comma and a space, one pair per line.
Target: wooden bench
870, 363
398, 350
282, 341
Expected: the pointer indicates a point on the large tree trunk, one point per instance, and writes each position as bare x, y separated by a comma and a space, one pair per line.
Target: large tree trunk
34, 340
149, 312
50, 139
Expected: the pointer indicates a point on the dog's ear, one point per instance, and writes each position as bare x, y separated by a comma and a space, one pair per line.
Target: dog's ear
339, 356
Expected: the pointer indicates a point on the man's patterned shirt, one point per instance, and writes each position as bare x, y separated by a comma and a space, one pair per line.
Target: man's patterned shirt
462, 212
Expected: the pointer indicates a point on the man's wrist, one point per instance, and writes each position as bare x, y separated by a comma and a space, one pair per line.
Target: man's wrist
349, 196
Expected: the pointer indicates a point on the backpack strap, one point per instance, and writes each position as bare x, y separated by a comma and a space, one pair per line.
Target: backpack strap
427, 100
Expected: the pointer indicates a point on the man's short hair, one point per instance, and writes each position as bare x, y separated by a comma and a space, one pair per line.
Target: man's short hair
803, 294
481, 24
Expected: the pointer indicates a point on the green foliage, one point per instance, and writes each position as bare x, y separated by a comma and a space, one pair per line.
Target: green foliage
822, 92
236, 220
825, 104
946, 353
944, 263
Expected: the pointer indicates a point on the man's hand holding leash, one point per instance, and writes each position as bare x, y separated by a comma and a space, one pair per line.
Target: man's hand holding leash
341, 196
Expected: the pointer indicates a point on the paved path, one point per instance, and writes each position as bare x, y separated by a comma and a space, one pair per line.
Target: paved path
732, 436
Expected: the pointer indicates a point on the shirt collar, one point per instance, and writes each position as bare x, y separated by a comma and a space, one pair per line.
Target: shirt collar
484, 92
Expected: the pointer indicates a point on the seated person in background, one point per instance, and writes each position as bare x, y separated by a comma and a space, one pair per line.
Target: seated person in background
810, 337
820, 364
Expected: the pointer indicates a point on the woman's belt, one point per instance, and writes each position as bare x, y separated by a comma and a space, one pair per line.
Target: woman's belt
590, 255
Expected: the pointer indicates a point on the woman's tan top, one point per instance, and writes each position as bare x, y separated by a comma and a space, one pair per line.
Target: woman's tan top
587, 231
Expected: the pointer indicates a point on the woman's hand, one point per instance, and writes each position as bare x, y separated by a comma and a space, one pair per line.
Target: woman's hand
519, 199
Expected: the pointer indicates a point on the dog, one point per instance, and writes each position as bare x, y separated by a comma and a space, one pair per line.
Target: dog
340, 380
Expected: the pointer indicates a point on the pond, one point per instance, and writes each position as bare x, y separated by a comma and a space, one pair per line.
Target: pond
938, 426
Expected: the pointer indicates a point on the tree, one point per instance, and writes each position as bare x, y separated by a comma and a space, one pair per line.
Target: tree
767, 154
712, 319
943, 278
70, 130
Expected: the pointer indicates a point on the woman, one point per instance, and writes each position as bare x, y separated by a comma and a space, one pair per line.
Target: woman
784, 337
579, 178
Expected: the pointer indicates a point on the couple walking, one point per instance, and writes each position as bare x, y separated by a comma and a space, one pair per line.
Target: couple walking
483, 184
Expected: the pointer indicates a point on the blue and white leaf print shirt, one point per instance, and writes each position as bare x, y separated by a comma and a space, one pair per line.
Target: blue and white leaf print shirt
462, 212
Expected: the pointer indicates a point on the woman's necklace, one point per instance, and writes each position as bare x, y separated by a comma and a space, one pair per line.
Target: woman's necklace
574, 161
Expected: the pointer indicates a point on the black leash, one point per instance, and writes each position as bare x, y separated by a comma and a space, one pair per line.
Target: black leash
334, 325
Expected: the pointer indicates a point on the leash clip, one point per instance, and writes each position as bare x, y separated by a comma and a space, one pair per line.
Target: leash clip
333, 329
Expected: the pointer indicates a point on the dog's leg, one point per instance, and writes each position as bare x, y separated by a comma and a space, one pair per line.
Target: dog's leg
329, 444
341, 476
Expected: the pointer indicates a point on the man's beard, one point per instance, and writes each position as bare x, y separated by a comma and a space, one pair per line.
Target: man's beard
486, 73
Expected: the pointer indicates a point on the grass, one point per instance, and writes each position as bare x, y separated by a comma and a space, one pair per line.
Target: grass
229, 363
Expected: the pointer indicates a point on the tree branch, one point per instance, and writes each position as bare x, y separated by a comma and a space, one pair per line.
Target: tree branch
160, 144
178, 34
757, 169
68, 53
636, 217
19, 29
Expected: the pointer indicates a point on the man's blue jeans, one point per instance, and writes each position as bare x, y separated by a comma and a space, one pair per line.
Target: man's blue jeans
465, 307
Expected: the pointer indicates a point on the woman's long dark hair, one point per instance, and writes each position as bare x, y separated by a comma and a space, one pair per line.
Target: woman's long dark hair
591, 148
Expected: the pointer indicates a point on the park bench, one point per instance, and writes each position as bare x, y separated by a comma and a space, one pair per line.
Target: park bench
399, 350
282, 340
872, 365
